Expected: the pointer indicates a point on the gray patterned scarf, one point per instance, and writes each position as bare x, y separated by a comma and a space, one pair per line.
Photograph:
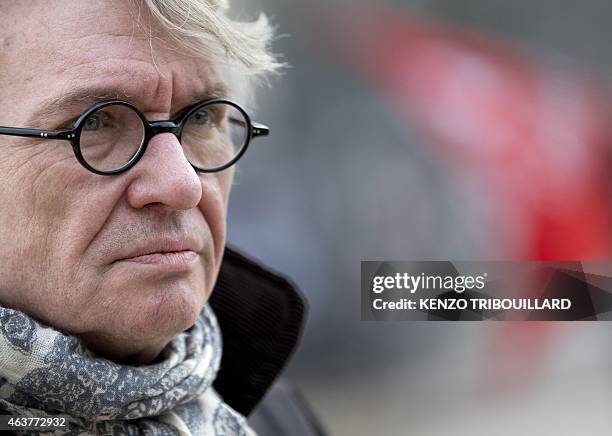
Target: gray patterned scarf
45, 372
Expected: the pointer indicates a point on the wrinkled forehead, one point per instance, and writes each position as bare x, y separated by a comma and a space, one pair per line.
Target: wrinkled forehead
106, 48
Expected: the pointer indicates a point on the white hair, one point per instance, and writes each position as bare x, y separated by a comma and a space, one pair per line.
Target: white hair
204, 27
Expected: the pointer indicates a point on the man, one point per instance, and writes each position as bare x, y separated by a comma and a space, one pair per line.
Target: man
122, 127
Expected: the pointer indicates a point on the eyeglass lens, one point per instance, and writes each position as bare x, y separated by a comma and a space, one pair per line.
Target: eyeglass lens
111, 136
213, 135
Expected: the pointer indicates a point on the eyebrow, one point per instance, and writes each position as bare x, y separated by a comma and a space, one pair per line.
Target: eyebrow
82, 98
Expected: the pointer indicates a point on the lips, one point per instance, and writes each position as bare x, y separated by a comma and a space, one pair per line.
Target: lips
174, 258
165, 250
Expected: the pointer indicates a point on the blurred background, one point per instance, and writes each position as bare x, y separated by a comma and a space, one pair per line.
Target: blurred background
435, 130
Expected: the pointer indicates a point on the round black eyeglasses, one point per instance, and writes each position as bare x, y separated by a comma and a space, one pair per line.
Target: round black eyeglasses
111, 136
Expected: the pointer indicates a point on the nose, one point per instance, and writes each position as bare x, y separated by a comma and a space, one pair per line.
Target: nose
164, 176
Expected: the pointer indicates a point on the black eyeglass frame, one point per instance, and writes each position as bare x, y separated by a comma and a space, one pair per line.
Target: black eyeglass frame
151, 128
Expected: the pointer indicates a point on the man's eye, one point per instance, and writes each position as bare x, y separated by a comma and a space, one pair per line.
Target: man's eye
201, 118
93, 122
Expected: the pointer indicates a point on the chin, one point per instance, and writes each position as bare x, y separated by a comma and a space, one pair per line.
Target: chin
166, 310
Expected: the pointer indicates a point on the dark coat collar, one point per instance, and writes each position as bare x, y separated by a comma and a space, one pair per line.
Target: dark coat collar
261, 315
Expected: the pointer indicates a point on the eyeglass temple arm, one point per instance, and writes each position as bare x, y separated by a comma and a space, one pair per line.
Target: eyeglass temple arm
37, 133
260, 130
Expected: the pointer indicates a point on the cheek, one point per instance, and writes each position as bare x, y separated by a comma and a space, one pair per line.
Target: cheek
35, 196
34, 200
62, 196
54, 209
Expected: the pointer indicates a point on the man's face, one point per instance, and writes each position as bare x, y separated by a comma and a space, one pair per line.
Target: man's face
90, 254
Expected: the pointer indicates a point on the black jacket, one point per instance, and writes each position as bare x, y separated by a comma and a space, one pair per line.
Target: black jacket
261, 316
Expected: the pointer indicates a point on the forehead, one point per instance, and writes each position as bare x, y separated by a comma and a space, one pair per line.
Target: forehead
110, 45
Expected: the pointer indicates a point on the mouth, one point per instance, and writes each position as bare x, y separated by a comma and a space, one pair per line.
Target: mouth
176, 258
171, 252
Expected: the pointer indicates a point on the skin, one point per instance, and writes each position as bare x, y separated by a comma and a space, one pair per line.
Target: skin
63, 227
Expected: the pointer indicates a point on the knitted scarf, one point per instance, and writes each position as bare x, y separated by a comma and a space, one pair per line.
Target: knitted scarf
45, 373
